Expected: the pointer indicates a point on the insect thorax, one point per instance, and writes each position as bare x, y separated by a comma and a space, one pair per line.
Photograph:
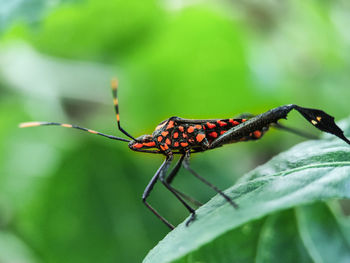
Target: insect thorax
171, 135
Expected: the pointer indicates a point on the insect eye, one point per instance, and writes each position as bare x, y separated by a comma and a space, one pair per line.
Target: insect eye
147, 138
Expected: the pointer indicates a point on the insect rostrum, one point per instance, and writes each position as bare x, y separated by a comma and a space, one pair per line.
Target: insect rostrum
187, 136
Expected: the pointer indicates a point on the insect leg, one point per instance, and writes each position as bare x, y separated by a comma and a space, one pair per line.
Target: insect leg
186, 164
188, 198
317, 118
171, 177
146, 193
116, 107
174, 191
256, 123
322, 121
306, 135
173, 173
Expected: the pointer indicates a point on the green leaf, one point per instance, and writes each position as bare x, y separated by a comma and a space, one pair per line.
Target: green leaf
278, 240
309, 172
322, 235
245, 238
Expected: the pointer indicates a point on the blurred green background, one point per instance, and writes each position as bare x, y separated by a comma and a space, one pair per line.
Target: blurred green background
67, 196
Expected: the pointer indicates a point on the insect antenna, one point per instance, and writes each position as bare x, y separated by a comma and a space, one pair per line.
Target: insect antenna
36, 123
116, 107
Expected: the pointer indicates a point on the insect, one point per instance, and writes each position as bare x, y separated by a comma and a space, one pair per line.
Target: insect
187, 136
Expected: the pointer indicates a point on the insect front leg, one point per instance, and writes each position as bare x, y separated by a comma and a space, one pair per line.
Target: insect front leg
175, 192
161, 175
162, 169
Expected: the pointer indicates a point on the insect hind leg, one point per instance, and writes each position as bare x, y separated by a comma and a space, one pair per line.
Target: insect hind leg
298, 132
186, 164
317, 118
322, 121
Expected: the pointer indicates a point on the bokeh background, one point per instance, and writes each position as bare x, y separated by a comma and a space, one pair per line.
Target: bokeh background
68, 196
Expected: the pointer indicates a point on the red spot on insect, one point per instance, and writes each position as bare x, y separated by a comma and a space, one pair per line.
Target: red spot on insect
170, 125
211, 125
149, 144
184, 144
257, 134
165, 133
191, 140
181, 128
222, 132
184, 135
167, 141
190, 129
176, 144
221, 123
198, 126
233, 122
213, 134
160, 138
175, 135
200, 137
243, 120
137, 145
164, 147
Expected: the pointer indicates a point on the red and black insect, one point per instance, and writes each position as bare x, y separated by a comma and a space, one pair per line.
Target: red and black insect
185, 137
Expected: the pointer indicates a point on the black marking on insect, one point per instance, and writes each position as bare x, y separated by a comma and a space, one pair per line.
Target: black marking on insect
185, 137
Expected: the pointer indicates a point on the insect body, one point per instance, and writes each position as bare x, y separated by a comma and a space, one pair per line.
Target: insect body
185, 137
177, 134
